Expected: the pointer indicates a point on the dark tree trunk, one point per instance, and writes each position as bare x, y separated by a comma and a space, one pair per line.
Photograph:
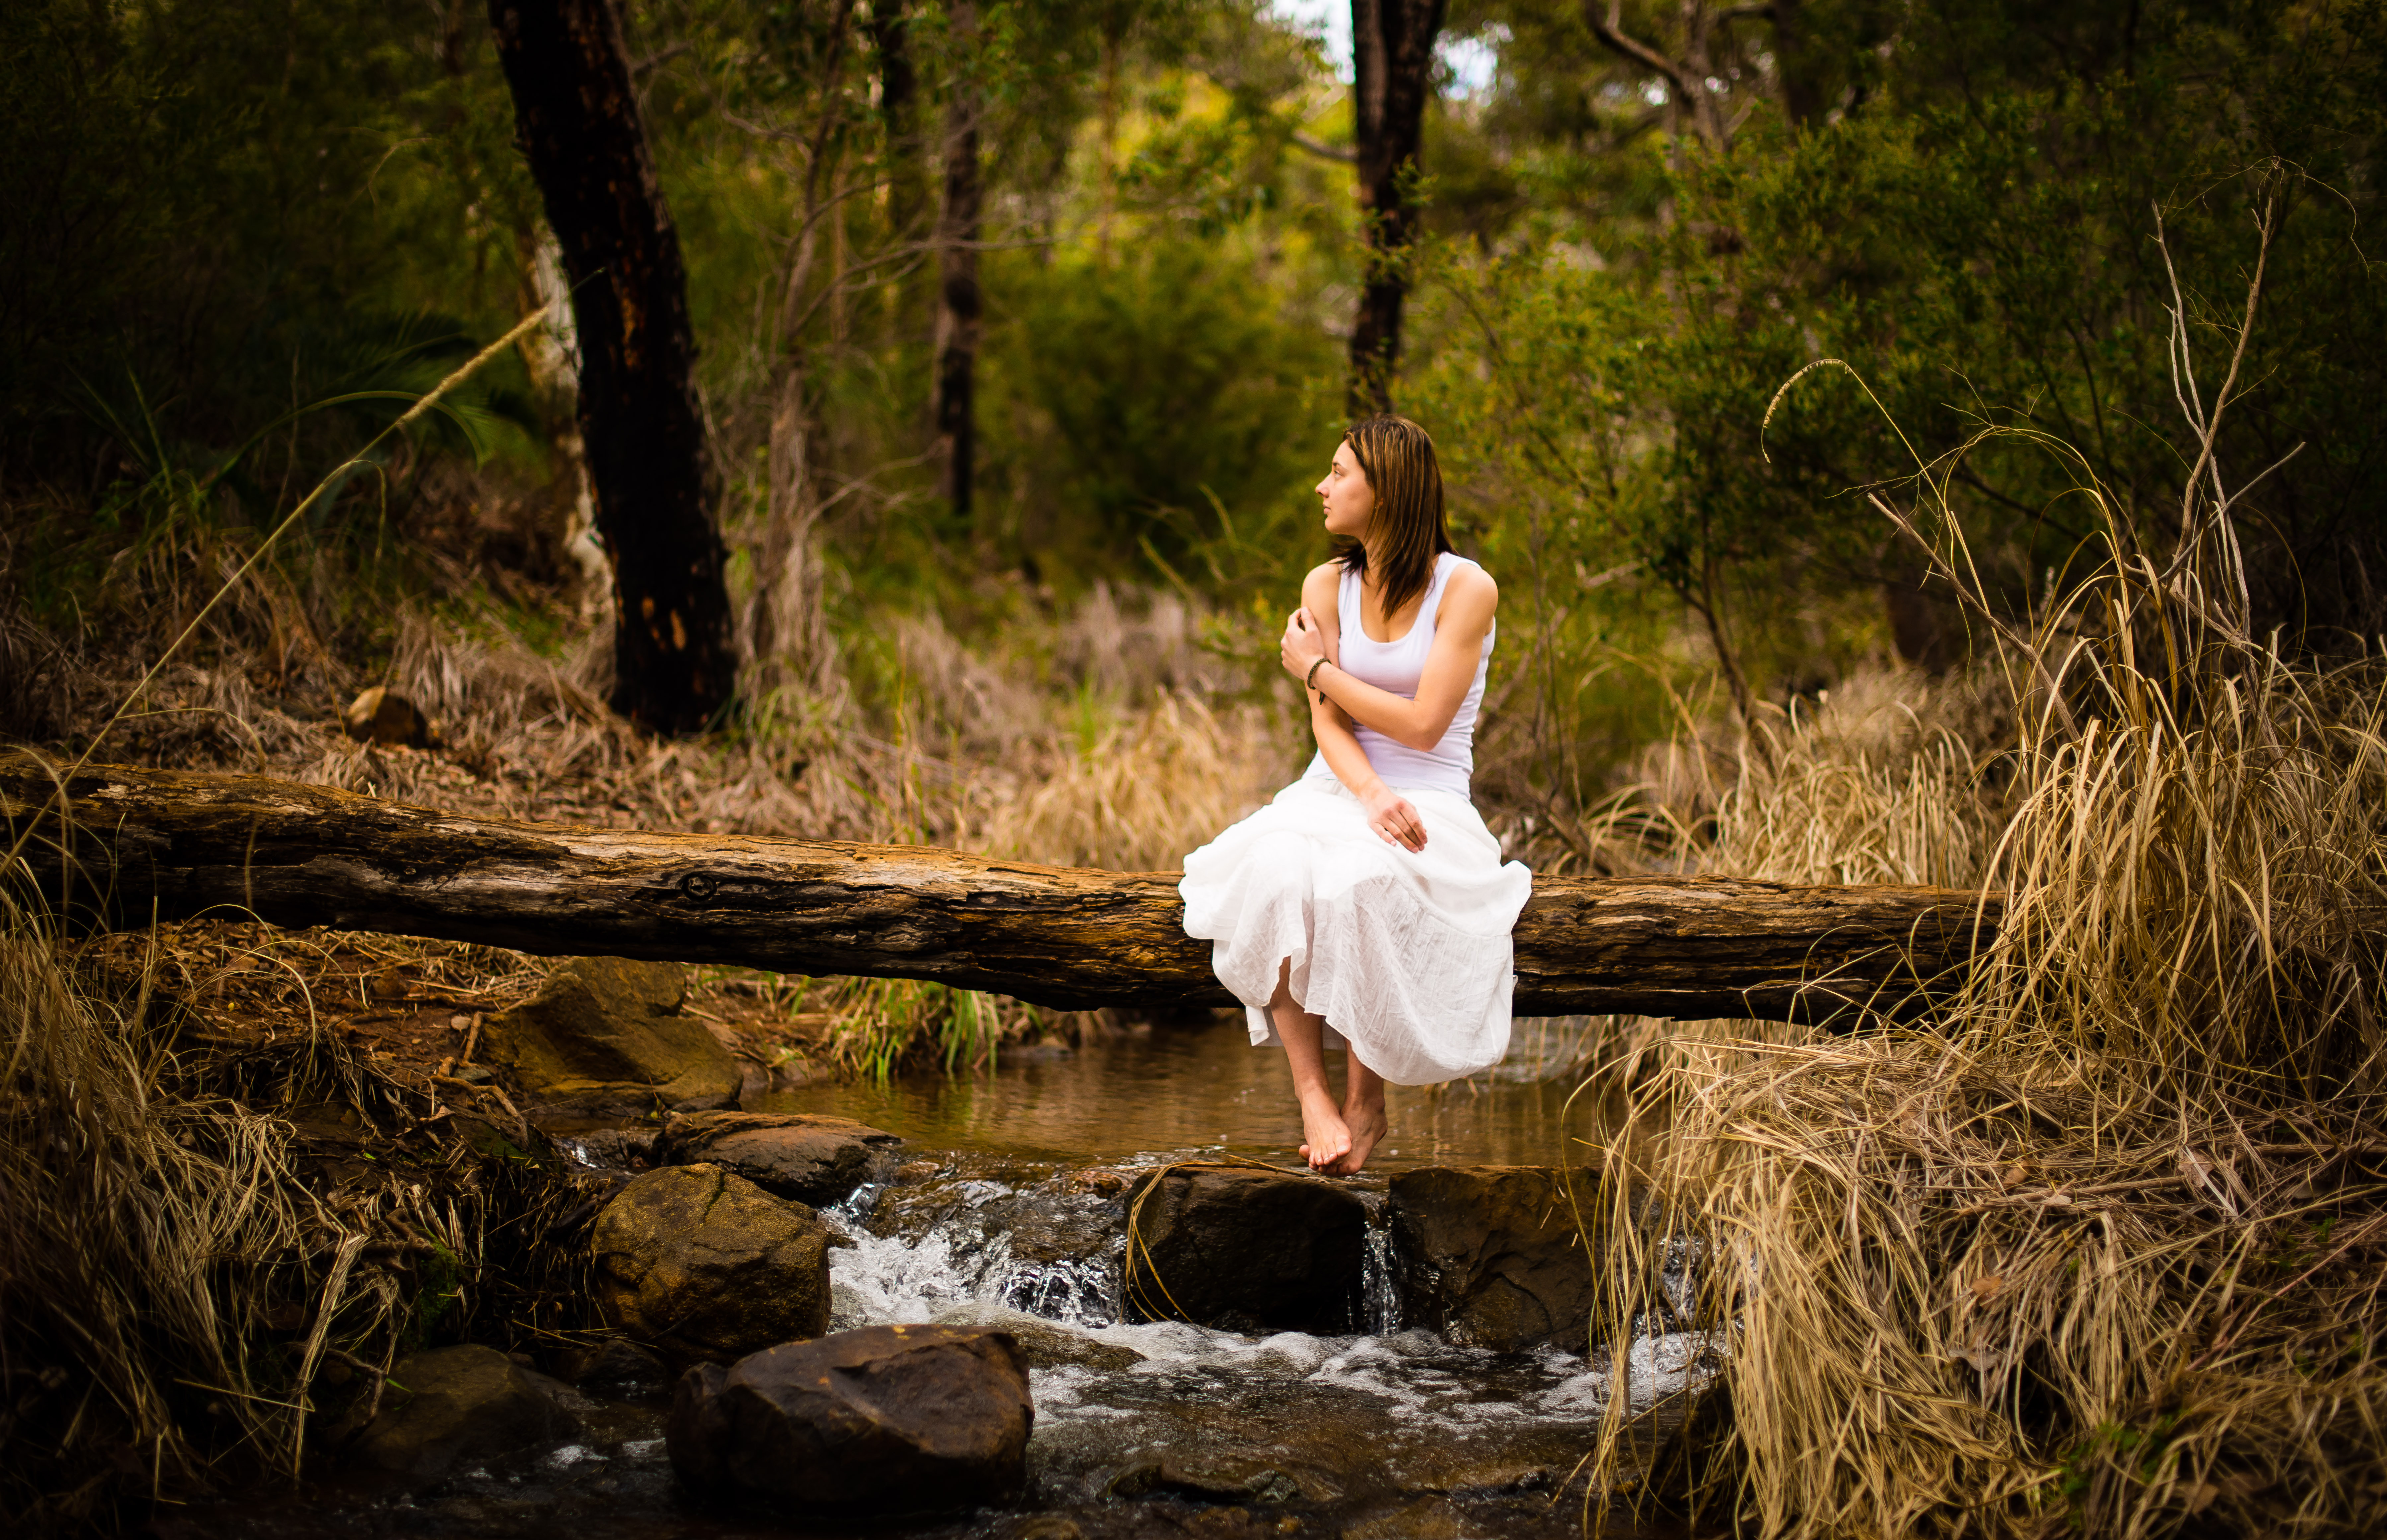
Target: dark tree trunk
1795, 65
579, 127
898, 108
958, 302
1393, 60
130, 845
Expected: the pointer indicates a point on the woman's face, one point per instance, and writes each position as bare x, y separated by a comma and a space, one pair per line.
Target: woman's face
1350, 501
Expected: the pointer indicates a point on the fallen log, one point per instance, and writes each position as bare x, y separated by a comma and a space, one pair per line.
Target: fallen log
114, 846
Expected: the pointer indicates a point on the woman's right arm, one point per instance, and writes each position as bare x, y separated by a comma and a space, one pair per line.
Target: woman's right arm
1389, 813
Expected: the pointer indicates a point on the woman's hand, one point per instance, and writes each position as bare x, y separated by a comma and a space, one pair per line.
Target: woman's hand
1303, 644
1395, 821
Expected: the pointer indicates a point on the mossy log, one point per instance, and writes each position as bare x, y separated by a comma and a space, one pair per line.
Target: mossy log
114, 846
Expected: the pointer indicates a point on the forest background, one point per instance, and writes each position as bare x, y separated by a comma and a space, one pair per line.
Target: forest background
242, 236
1020, 331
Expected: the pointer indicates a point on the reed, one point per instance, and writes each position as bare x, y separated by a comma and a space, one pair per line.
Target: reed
2100, 1248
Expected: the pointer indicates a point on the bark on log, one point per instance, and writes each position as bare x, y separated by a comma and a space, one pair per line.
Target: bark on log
135, 842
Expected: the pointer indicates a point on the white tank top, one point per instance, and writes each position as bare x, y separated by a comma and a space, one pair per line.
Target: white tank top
1396, 666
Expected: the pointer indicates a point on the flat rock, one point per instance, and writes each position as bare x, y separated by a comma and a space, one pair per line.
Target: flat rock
812, 1158
1225, 1478
884, 1419
705, 1267
606, 1036
1489, 1254
1243, 1249
1043, 1344
455, 1403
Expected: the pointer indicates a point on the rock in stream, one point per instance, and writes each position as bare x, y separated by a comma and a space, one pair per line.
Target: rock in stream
1490, 1256
1245, 1249
606, 1036
812, 1158
889, 1419
705, 1267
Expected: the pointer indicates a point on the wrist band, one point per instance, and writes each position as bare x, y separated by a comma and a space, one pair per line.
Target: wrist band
1309, 680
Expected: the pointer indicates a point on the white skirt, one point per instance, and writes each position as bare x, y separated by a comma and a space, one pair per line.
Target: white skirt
1406, 956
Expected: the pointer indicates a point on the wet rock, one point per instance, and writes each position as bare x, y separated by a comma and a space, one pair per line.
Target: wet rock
1224, 1478
605, 1036
630, 1149
703, 1266
1047, 1526
1246, 1250
1043, 1344
1431, 1519
1489, 1254
616, 1366
891, 1418
915, 1170
381, 716
452, 1403
1099, 1179
814, 1159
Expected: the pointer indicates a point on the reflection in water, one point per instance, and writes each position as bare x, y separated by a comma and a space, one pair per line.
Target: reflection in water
1170, 1091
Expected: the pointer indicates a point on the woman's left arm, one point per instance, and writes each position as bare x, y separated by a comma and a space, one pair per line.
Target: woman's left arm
1460, 625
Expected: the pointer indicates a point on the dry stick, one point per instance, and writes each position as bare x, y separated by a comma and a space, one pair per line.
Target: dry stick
522, 1124
470, 367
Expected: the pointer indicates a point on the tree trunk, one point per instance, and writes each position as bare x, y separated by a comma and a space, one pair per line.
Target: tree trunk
579, 127
908, 195
568, 537
788, 635
958, 302
1393, 62
132, 843
1795, 65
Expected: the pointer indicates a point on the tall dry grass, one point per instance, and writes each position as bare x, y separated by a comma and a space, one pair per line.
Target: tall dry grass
157, 1233
2101, 1248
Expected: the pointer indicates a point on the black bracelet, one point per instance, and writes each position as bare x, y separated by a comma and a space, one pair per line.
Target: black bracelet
1309, 680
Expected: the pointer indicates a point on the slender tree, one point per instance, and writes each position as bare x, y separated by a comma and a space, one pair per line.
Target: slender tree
959, 303
579, 126
786, 629
1393, 63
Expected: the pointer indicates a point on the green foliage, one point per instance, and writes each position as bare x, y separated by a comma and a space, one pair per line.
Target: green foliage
1156, 408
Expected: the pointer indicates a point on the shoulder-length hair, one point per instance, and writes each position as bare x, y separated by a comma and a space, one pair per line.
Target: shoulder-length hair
1396, 456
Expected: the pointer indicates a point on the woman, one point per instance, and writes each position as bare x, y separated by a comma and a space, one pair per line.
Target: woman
1367, 905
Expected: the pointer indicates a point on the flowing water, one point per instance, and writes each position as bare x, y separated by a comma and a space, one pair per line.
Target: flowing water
1140, 1429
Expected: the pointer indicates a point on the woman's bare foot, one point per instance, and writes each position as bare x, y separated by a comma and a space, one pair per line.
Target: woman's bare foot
1366, 1126
1328, 1138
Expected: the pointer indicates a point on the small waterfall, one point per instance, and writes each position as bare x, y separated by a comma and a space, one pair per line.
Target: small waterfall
1380, 1287
1083, 1290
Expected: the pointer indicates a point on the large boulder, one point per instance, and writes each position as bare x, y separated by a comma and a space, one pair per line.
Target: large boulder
703, 1266
814, 1159
884, 1419
1244, 1249
606, 1036
457, 1403
1489, 1255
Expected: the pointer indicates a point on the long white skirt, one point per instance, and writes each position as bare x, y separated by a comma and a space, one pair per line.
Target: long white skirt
1406, 956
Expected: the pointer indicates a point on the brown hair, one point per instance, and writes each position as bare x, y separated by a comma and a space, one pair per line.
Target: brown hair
1397, 457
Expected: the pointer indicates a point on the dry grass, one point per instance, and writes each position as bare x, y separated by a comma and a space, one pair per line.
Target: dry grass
2101, 1249
224, 1219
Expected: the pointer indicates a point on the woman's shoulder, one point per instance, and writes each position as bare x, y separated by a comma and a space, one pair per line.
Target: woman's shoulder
1468, 580
1322, 583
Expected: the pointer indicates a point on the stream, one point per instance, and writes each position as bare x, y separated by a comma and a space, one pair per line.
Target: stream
1140, 1429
